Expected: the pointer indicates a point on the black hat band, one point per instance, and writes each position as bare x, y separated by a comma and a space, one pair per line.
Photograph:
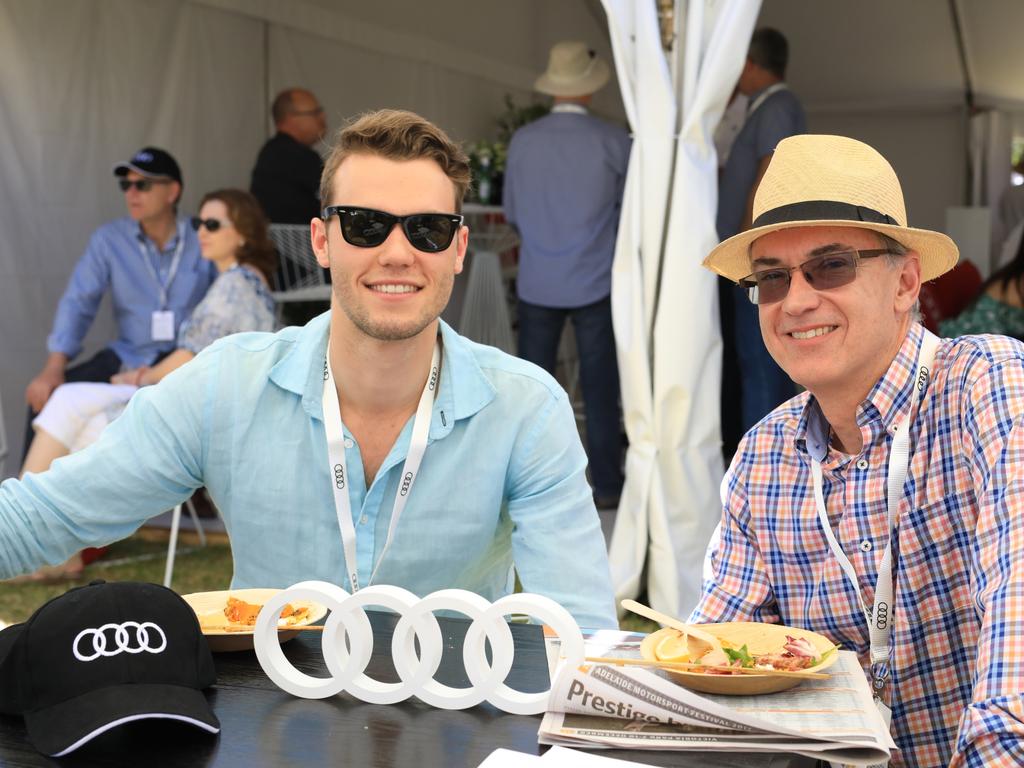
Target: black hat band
822, 210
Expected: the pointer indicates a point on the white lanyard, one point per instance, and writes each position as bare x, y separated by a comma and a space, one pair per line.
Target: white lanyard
752, 107
339, 467
175, 261
880, 617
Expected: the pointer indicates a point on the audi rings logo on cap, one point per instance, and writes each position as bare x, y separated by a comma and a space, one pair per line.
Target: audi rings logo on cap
347, 643
112, 639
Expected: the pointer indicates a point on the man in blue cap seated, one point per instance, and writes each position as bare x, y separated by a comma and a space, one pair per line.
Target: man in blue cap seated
148, 261
374, 444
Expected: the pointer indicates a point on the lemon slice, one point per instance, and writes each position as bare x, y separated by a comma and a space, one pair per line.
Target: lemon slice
672, 647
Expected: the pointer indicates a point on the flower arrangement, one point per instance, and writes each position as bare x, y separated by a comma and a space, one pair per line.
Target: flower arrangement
487, 161
487, 158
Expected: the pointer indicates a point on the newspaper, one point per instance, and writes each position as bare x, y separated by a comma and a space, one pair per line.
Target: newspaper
626, 707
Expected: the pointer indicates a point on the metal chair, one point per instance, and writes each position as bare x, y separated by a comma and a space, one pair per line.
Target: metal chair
299, 276
3, 439
172, 545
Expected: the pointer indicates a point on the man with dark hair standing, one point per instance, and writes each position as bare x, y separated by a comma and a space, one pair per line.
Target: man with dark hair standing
287, 173
773, 114
149, 262
563, 192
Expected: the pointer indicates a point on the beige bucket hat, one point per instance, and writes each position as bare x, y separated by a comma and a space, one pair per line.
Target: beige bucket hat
831, 181
573, 70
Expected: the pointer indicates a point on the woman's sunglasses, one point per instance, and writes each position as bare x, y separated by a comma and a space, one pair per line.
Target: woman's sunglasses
212, 225
367, 228
831, 270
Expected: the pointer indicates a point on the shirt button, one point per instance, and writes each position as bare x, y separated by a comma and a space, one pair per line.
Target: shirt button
348, 442
862, 464
865, 546
363, 520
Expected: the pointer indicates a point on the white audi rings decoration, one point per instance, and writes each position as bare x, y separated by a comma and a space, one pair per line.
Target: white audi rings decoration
347, 644
138, 641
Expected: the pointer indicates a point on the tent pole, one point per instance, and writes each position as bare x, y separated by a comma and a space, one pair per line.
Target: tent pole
965, 69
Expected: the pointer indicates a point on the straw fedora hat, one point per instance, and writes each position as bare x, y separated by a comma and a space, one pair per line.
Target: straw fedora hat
831, 181
573, 70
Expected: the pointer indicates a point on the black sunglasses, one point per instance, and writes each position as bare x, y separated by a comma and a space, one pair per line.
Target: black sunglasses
367, 228
212, 225
143, 185
830, 270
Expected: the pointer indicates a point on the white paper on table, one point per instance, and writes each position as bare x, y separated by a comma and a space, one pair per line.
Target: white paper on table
563, 757
509, 758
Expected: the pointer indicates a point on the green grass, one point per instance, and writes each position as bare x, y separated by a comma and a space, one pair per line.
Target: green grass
196, 569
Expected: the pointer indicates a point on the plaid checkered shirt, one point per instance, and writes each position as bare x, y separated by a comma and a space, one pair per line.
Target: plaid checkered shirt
957, 663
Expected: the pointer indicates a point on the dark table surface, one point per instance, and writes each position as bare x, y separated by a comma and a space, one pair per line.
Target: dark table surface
262, 725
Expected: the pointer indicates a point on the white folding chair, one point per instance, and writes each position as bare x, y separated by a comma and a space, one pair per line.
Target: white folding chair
3, 439
172, 545
299, 276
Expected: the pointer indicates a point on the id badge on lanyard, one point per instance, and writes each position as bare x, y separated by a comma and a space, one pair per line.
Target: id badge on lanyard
339, 466
162, 320
880, 616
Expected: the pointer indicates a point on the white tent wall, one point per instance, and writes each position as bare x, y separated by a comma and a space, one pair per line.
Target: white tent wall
84, 83
927, 149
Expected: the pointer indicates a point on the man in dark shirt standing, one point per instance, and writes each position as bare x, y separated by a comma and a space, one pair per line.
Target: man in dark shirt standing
286, 178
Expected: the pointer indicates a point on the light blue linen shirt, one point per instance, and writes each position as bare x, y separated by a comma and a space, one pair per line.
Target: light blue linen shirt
113, 260
502, 478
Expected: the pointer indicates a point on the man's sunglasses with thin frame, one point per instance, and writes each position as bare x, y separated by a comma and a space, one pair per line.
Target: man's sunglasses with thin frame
368, 228
143, 185
830, 270
212, 225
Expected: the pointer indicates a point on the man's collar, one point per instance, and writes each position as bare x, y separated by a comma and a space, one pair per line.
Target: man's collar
464, 387
180, 227
570, 108
887, 402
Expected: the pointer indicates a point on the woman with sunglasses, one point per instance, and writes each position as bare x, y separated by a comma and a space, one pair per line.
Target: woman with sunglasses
232, 233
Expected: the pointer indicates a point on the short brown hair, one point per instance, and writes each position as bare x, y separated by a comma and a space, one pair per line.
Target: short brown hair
248, 219
397, 135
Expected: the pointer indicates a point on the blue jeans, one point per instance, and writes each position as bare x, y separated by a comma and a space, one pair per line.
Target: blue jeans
540, 330
763, 384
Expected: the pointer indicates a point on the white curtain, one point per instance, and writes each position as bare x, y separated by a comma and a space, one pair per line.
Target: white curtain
664, 304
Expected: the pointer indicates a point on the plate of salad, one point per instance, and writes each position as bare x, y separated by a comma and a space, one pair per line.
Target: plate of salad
761, 650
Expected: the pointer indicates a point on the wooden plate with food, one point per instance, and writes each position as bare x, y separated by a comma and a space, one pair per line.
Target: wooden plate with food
763, 651
228, 617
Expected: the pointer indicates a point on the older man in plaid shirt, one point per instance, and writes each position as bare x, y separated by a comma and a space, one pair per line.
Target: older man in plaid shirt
884, 507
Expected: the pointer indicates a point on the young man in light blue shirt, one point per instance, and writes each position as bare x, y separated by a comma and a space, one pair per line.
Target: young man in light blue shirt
373, 445
148, 261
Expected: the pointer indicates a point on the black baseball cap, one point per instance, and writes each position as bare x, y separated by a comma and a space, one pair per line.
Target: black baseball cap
151, 162
103, 655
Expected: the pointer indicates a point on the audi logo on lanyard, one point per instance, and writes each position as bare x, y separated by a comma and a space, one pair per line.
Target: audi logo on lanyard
347, 643
113, 639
